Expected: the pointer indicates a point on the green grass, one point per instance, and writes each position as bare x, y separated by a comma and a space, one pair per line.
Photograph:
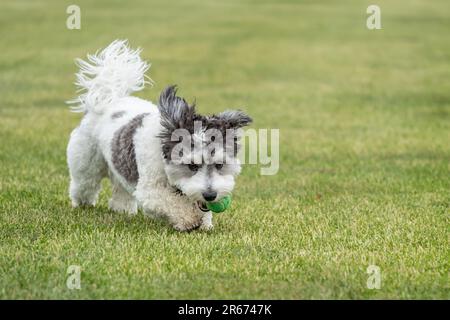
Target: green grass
364, 119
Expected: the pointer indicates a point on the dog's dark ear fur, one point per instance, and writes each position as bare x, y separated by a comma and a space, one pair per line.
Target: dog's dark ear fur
232, 119
175, 113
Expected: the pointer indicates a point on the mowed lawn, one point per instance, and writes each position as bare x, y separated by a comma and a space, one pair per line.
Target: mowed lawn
364, 119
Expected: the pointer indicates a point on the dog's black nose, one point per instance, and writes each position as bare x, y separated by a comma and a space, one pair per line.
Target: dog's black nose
209, 195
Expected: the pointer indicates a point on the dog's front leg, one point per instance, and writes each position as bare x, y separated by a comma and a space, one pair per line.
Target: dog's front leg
207, 223
182, 214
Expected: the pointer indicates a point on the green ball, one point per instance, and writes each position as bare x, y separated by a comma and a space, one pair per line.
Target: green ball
219, 206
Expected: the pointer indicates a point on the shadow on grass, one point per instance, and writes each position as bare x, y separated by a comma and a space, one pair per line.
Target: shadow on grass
102, 217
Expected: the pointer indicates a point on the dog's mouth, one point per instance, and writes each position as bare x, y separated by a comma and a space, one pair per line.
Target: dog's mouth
202, 206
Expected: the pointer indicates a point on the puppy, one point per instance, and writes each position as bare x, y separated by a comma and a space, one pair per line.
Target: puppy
166, 159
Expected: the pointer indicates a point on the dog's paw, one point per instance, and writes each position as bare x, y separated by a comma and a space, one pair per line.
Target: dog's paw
207, 224
186, 227
80, 204
129, 207
206, 227
75, 204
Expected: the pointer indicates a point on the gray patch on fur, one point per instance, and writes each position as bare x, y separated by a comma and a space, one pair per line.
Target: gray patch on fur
118, 114
122, 148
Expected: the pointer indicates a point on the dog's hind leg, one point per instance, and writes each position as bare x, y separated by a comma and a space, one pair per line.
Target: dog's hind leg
121, 200
87, 169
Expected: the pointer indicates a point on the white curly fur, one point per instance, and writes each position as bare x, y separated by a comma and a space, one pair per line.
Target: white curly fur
111, 74
106, 82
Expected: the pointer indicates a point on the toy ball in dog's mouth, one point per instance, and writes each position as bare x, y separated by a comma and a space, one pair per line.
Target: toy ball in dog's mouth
215, 206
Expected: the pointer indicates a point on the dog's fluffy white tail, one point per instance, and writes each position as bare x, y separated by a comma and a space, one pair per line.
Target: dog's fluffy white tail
108, 75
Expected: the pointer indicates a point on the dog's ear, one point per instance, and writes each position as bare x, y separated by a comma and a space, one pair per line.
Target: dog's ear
175, 113
233, 119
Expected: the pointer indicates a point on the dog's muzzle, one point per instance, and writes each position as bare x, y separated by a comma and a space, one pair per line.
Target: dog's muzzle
201, 205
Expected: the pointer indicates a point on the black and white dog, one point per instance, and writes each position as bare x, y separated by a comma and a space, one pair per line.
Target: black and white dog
166, 159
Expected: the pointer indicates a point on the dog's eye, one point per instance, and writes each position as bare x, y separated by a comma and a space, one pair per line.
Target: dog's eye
193, 167
219, 166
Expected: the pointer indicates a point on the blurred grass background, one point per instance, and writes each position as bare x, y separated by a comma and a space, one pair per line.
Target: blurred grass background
364, 141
